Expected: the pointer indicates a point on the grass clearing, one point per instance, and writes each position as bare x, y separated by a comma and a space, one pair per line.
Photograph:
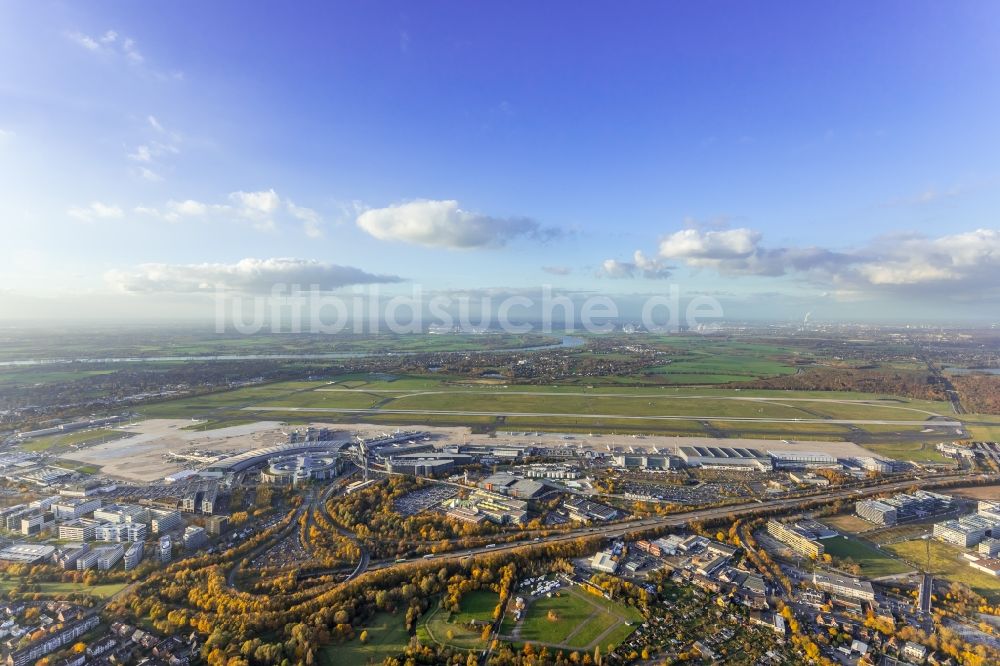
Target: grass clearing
457, 629
78, 438
387, 637
847, 522
919, 452
578, 620
59, 588
874, 563
947, 562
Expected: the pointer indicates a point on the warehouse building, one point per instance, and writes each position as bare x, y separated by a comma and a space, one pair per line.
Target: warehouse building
801, 459
724, 457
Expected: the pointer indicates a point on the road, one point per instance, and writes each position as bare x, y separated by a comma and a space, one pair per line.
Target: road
659, 417
681, 519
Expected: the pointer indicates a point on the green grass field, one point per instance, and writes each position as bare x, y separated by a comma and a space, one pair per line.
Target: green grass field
947, 563
55, 442
922, 452
564, 407
874, 564
580, 620
387, 637
452, 629
52, 589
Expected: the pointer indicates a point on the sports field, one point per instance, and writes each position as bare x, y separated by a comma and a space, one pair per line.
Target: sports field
874, 563
574, 620
387, 637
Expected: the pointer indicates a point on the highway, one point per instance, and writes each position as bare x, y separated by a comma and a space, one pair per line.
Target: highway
632, 417
680, 519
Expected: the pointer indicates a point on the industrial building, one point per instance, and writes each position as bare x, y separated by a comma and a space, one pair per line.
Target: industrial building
643, 461
724, 457
876, 512
903, 507
27, 553
967, 531
508, 484
801, 459
586, 511
426, 464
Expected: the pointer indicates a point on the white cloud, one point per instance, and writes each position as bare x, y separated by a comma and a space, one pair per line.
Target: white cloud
311, 220
557, 270
963, 265
95, 211
640, 266
248, 276
264, 209
113, 45
693, 244
83, 40
155, 124
442, 224
148, 174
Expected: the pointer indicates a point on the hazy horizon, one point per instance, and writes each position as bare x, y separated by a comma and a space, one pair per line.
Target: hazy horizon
839, 162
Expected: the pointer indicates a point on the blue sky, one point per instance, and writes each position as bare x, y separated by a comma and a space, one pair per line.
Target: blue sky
788, 157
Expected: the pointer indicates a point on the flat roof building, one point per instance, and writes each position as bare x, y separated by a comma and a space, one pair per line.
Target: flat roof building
725, 457
843, 586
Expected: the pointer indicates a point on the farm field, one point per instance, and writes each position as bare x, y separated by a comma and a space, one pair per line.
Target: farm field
158, 343
387, 637
476, 606
874, 563
574, 620
947, 563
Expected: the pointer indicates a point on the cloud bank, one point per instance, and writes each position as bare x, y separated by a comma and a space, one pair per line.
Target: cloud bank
247, 276
962, 265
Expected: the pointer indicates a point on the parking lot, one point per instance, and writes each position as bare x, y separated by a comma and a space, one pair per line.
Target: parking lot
423, 499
